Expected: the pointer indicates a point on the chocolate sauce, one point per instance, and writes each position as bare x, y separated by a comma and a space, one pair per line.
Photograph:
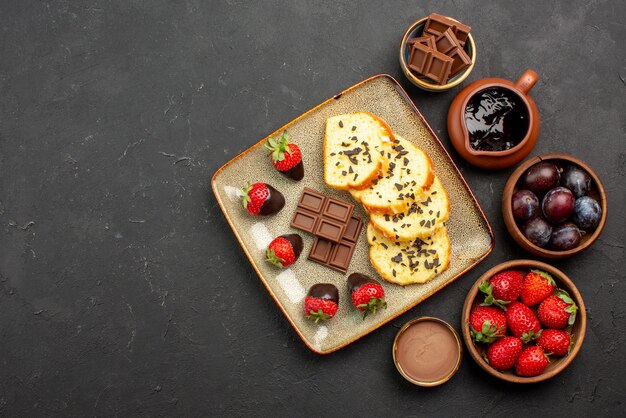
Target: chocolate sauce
496, 119
296, 243
428, 352
273, 203
356, 280
296, 172
324, 291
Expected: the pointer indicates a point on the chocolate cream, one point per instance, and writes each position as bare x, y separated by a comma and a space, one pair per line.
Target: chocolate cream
273, 203
427, 351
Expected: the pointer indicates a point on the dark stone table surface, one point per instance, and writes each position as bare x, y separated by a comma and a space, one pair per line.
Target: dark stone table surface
123, 290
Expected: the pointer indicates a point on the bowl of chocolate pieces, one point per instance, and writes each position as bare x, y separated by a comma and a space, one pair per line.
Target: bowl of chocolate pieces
437, 53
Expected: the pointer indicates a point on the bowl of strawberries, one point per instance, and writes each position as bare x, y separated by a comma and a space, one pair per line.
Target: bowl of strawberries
523, 321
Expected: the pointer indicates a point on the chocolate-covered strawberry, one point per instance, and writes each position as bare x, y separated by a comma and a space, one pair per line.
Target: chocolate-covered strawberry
286, 157
322, 302
284, 250
262, 199
367, 294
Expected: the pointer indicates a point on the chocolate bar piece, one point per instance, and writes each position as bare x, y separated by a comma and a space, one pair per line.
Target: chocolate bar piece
438, 24
420, 58
438, 54
446, 42
440, 67
337, 255
461, 61
321, 215
428, 40
329, 229
461, 31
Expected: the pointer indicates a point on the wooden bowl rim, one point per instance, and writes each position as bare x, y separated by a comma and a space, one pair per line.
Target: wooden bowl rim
563, 362
516, 233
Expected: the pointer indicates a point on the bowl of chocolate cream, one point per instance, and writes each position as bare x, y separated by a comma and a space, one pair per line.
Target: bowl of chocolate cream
427, 351
493, 123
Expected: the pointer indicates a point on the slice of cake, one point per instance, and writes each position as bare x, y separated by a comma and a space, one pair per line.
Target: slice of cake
352, 150
408, 171
420, 219
409, 262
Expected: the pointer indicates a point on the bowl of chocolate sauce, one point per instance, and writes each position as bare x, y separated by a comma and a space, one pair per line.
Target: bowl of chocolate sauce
493, 123
427, 351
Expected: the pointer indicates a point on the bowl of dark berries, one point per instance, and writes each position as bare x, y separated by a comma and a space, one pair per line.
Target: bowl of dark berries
554, 206
523, 321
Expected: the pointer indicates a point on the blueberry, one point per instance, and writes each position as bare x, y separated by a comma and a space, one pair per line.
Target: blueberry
587, 213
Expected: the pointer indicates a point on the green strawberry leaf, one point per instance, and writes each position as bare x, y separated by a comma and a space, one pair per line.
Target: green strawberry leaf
488, 334
486, 327
489, 300
245, 199
278, 147
271, 257
530, 335
502, 303
485, 287
372, 306
318, 316
572, 309
564, 296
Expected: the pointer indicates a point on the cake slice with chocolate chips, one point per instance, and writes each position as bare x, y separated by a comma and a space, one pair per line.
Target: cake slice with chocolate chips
420, 219
407, 173
409, 262
352, 150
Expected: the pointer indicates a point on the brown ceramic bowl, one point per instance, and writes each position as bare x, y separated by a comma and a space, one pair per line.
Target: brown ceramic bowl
561, 160
456, 347
577, 331
425, 83
459, 135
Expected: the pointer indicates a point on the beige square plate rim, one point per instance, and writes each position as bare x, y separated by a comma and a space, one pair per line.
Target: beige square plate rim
418, 300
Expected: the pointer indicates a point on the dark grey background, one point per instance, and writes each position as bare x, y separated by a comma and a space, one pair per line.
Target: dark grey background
122, 288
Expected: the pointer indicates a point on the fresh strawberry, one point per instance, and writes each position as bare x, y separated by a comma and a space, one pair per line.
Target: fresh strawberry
261, 199
283, 251
286, 156
538, 285
522, 321
367, 294
322, 302
557, 311
503, 288
487, 323
503, 353
531, 362
555, 341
